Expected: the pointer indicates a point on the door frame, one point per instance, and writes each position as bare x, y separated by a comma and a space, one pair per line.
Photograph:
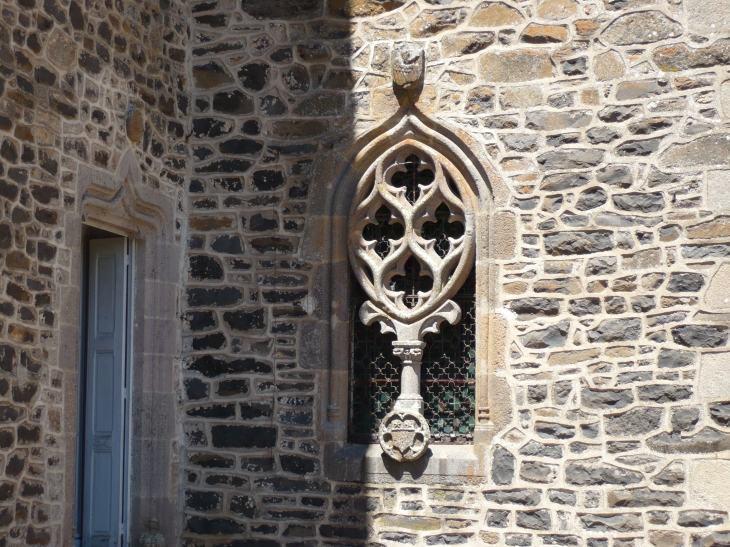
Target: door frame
125, 203
130, 251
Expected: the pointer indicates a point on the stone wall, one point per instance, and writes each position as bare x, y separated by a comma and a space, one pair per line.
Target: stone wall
608, 120
81, 82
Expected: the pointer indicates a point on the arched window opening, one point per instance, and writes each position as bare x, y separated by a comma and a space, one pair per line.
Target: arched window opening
413, 305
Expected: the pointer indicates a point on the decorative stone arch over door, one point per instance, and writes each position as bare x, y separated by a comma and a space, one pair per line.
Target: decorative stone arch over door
121, 203
494, 239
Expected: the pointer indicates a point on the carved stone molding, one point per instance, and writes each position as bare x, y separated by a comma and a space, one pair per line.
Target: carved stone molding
389, 253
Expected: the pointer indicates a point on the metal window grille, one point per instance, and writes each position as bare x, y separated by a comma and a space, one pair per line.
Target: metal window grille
448, 367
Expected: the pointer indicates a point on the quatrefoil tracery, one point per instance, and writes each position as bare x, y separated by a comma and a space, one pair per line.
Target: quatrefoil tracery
405, 194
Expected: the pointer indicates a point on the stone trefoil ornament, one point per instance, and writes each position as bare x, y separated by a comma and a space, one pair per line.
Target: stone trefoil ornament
409, 278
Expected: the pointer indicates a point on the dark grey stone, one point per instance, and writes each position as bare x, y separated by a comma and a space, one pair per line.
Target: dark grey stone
685, 282
529, 308
591, 198
720, 413
535, 448
585, 306
503, 466
623, 522
708, 440
644, 497
602, 265
563, 497
664, 393
574, 158
672, 475
602, 135
685, 418
498, 519
606, 398
561, 391
532, 471
675, 358
564, 181
616, 330
715, 539
638, 421
640, 202
515, 496
700, 519
534, 520
553, 336
549, 430
578, 243
594, 474
700, 336
615, 175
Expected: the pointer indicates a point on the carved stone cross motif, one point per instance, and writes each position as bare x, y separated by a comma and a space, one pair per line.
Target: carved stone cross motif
408, 278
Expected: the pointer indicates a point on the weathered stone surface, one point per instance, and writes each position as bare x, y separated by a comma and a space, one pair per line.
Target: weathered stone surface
359, 8
664, 393
608, 66
685, 418
495, 14
706, 440
613, 330
556, 10
644, 497
529, 308
536, 33
638, 421
643, 27
700, 519
538, 472
700, 336
624, 522
542, 120
503, 466
677, 57
711, 150
465, 43
606, 399
534, 520
578, 243
594, 474
549, 430
515, 66
515, 496
431, 22
672, 475
553, 336
574, 158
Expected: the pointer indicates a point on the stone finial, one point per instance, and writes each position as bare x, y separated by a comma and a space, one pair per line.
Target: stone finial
407, 66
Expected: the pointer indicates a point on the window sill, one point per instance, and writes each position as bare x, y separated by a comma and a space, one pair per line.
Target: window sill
367, 463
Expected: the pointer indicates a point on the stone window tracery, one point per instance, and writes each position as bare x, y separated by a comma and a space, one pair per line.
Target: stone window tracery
411, 247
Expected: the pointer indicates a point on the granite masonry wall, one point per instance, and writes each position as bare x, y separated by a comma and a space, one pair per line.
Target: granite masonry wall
608, 119
81, 82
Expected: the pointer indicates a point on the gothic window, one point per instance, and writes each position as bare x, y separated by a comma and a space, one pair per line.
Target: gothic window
413, 303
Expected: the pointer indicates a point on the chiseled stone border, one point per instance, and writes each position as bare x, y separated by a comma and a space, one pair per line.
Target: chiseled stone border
121, 204
335, 180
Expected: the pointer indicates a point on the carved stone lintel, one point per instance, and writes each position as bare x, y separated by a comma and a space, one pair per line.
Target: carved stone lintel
404, 435
407, 66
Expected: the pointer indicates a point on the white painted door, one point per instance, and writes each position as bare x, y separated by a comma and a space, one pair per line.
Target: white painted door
104, 398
